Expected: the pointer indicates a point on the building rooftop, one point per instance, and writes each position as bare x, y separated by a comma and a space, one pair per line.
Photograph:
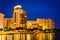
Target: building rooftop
17, 6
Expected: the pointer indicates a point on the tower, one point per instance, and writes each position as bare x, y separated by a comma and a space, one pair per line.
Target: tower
19, 17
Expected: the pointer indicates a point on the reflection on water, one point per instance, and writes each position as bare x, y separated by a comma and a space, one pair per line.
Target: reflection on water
28, 36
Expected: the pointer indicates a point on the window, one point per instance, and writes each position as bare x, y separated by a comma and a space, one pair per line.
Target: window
21, 15
22, 21
15, 17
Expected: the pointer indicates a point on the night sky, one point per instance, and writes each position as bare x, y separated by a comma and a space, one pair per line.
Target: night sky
34, 8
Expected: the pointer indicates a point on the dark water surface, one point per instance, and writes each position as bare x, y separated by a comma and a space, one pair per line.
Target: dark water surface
57, 36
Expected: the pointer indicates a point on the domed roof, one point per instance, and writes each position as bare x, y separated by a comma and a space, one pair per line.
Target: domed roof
18, 6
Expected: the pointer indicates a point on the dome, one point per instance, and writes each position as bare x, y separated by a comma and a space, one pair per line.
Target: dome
18, 6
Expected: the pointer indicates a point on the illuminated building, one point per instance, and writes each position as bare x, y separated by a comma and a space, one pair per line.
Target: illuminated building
7, 22
32, 24
46, 23
1, 20
29, 29
19, 17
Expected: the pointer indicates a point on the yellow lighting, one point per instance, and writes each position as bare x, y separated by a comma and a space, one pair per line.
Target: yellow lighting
40, 24
25, 16
14, 23
18, 6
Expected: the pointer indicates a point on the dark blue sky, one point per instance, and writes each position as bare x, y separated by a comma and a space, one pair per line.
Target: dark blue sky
34, 8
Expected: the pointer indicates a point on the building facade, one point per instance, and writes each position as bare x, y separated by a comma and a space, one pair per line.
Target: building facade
1, 20
28, 29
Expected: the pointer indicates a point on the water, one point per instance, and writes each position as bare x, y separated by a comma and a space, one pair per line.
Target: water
19, 37
57, 36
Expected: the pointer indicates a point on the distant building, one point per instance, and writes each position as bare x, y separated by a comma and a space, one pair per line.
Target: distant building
7, 22
1, 20
19, 17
